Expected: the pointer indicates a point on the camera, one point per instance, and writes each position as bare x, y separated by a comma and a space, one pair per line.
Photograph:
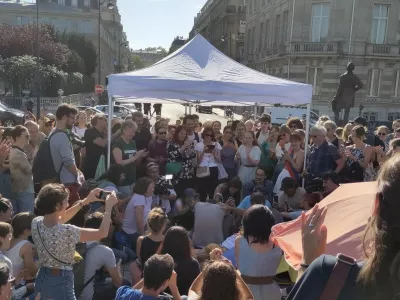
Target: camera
103, 195
162, 189
76, 140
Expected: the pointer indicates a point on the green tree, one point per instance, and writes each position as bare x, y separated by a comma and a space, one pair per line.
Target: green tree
177, 43
136, 62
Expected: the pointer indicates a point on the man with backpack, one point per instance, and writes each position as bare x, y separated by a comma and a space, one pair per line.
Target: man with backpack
99, 257
55, 161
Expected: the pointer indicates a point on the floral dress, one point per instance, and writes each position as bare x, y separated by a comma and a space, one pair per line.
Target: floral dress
186, 158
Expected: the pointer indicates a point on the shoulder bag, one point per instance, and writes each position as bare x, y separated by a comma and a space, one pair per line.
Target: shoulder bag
338, 277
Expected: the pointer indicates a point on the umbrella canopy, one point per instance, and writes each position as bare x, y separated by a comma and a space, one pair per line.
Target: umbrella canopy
349, 208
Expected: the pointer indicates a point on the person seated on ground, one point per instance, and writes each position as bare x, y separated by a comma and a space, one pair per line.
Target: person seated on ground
164, 193
291, 195
209, 224
260, 179
374, 278
183, 214
21, 252
256, 255
255, 198
7, 281
99, 257
149, 244
219, 280
6, 210
229, 192
330, 182
177, 244
307, 201
158, 274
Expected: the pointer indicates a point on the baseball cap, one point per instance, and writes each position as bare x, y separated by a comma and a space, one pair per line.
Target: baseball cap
360, 120
288, 183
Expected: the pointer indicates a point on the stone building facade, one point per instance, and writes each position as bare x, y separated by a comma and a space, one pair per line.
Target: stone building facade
314, 45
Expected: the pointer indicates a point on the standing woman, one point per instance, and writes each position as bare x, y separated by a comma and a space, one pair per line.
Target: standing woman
248, 155
55, 240
216, 127
124, 153
268, 159
228, 151
239, 133
383, 132
208, 156
79, 129
256, 255
359, 157
180, 150
21, 171
347, 134
294, 162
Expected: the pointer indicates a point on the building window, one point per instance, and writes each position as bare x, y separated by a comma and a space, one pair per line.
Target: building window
370, 116
261, 39
374, 82
314, 77
74, 3
379, 23
396, 83
319, 22
393, 116
285, 26
267, 38
19, 21
61, 2
249, 41
277, 29
87, 3
253, 40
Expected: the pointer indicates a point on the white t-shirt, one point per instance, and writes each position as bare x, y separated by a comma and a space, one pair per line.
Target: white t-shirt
129, 221
80, 131
192, 138
262, 138
59, 240
278, 150
208, 159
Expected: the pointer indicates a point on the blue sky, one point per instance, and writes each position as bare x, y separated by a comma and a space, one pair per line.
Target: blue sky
150, 23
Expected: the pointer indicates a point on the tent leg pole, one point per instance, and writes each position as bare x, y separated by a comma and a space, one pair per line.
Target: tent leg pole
306, 147
190, 109
110, 116
255, 112
185, 110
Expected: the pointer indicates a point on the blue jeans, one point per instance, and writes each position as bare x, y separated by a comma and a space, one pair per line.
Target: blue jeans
55, 284
5, 185
24, 201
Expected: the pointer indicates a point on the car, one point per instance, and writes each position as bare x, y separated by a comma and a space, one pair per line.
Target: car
206, 109
94, 110
119, 110
10, 116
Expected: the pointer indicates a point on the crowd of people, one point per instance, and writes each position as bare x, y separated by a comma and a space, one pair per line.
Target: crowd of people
188, 206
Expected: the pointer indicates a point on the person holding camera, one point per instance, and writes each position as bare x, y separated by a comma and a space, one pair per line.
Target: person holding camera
55, 240
208, 157
163, 193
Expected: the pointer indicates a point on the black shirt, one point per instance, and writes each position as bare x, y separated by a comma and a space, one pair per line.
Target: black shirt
142, 138
311, 285
93, 152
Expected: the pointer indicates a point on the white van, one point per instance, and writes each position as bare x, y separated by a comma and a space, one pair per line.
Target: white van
280, 114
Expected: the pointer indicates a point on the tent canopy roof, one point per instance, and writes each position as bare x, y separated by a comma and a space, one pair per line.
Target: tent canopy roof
198, 72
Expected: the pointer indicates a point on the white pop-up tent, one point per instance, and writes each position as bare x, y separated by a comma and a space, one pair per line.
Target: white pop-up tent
199, 73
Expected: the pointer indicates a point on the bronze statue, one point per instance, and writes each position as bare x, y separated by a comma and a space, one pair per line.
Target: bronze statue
345, 95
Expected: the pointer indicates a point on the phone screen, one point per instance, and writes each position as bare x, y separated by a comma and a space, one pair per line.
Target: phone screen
168, 177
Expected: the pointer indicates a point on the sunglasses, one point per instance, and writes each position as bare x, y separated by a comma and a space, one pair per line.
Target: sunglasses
381, 133
163, 133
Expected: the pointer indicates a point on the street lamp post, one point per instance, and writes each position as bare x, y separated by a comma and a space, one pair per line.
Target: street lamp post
119, 55
37, 62
110, 6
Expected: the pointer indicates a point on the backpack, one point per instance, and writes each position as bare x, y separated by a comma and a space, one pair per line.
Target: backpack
79, 269
43, 166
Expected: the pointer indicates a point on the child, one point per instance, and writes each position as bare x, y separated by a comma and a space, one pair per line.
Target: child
148, 245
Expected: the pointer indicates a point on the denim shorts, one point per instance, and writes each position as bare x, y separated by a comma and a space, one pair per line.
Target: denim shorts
55, 284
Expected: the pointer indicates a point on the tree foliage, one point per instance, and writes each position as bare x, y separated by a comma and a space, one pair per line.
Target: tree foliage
83, 56
136, 63
21, 40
